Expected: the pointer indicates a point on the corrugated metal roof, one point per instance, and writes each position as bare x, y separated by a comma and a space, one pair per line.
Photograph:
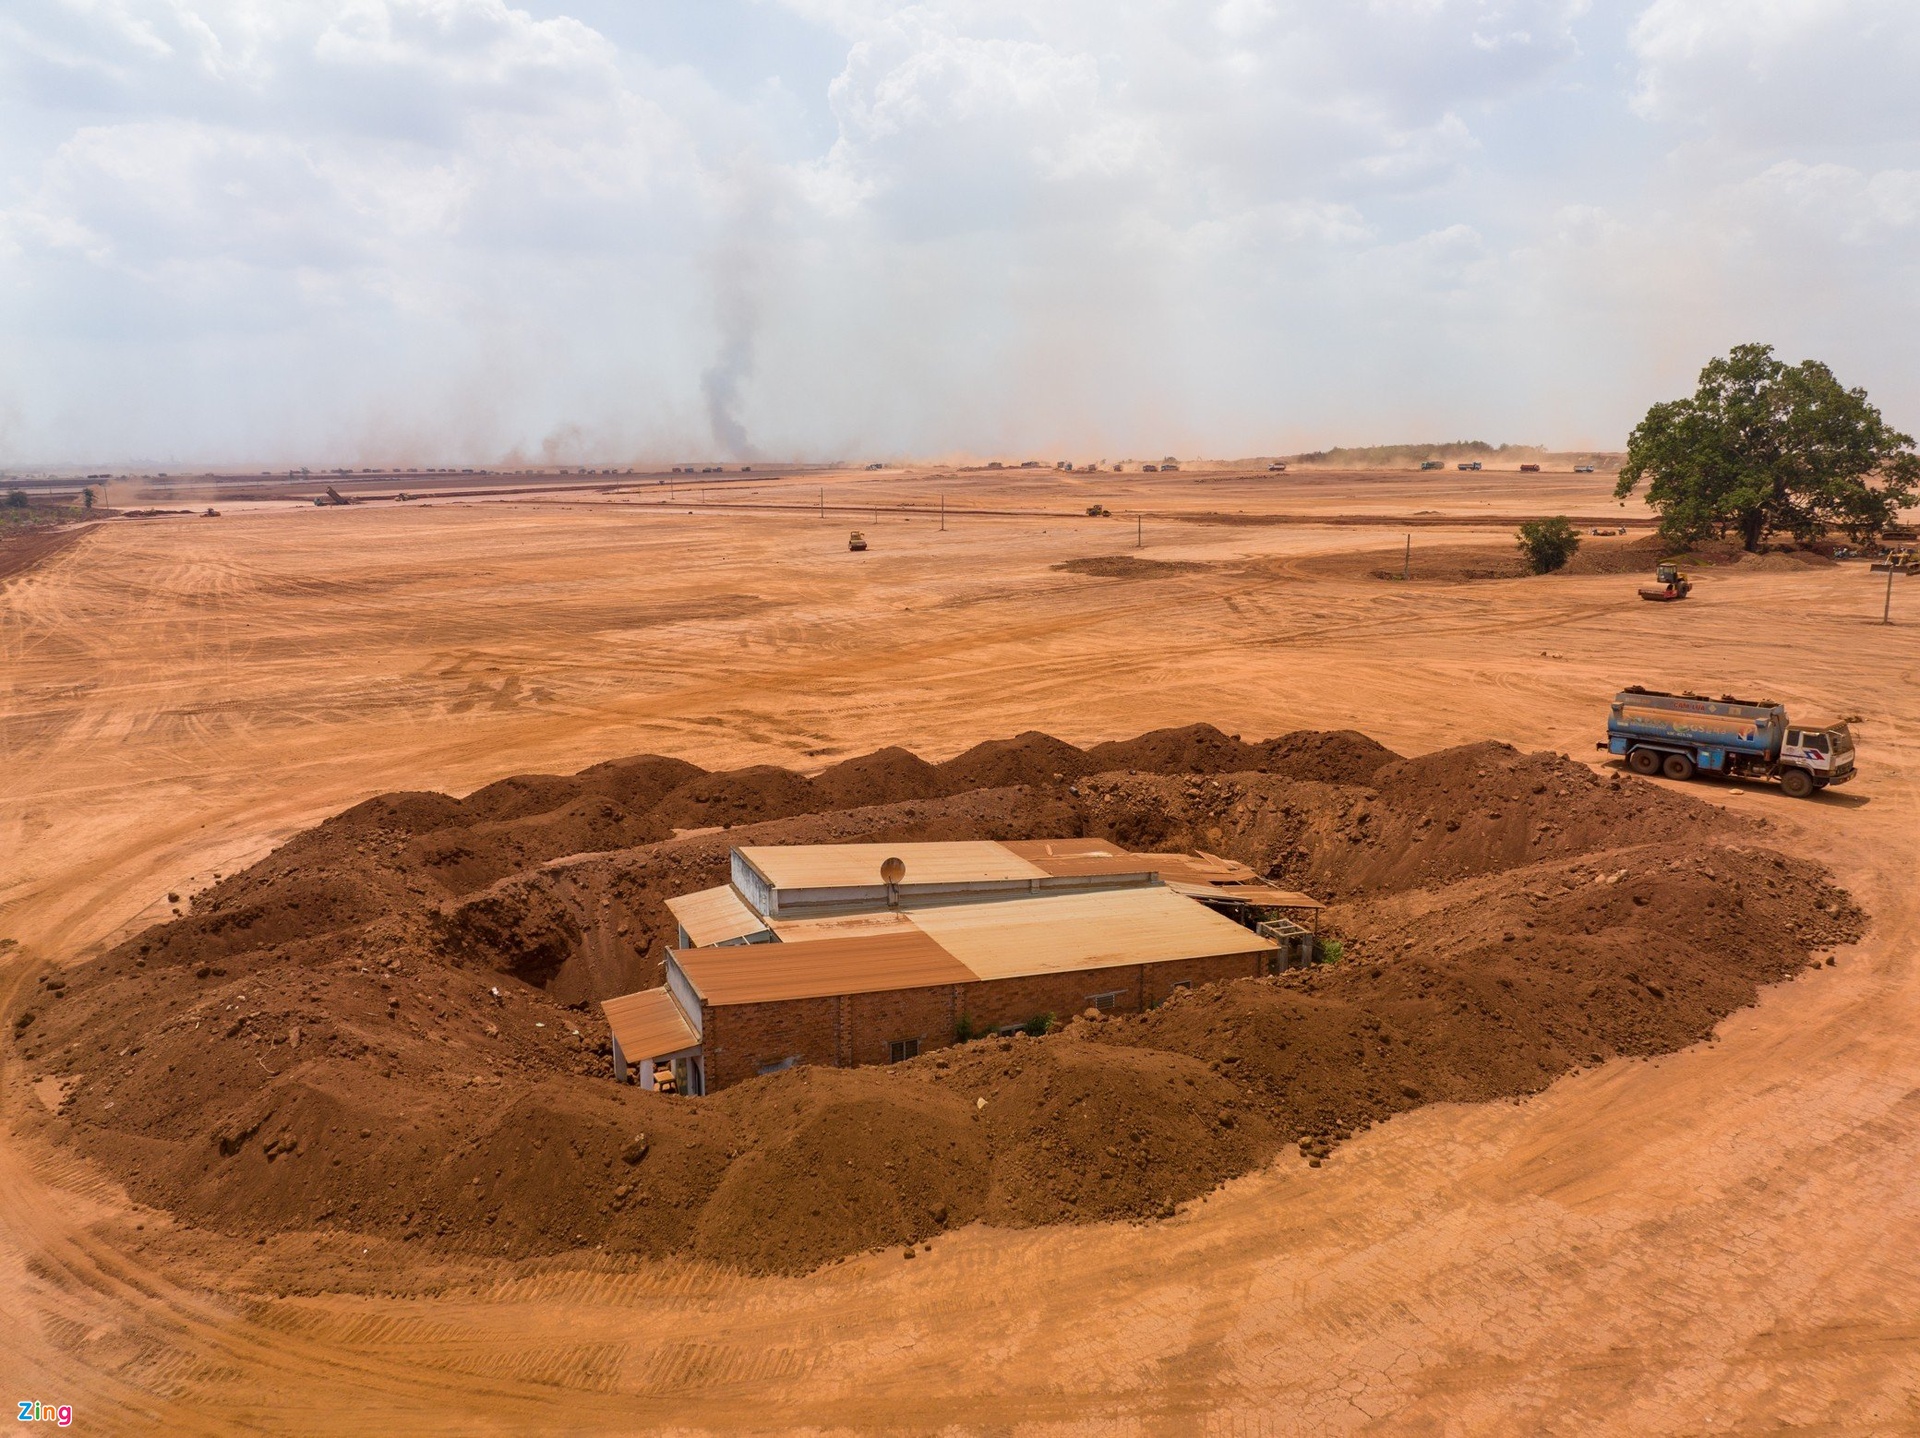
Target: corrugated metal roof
1088, 866
649, 1025
846, 866
1038, 851
761, 973
1263, 895
840, 925
1063, 932
713, 916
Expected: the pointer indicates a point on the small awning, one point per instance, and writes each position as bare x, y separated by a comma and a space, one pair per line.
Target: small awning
649, 1025
1261, 896
716, 916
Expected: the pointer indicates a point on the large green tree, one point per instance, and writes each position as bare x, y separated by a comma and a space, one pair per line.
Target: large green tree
1766, 448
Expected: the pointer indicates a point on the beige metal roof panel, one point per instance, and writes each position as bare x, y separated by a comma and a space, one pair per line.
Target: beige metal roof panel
1063, 932
713, 916
1039, 851
840, 925
649, 1025
843, 866
1095, 866
763, 973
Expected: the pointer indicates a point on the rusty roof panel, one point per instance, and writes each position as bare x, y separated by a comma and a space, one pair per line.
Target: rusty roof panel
649, 1025
905, 958
713, 916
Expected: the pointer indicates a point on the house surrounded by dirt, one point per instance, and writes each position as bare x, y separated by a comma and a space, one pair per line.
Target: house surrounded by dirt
849, 954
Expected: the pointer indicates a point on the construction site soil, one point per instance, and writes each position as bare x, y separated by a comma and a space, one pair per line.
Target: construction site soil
387, 1028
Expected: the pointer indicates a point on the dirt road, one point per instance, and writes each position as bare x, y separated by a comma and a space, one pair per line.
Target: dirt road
1721, 1239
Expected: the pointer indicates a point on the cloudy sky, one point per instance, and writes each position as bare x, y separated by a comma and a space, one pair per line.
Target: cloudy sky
465, 231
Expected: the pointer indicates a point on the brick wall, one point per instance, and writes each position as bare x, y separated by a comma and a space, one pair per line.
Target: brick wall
1161, 978
857, 1029
738, 1038
876, 1020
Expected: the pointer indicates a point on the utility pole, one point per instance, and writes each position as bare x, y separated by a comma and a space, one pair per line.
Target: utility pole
1406, 560
943, 513
1886, 609
823, 501
1139, 532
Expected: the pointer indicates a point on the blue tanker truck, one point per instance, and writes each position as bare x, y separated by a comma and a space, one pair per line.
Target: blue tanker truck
1681, 735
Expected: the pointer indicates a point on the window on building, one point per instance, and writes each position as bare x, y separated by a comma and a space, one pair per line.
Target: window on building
901, 1050
1103, 1002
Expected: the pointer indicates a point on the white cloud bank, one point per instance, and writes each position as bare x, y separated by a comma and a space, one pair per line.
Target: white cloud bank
360, 232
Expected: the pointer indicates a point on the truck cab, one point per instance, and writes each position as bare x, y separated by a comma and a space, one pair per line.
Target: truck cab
1825, 753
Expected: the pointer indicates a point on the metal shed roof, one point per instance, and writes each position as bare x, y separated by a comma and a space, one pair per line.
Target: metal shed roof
847, 866
1263, 896
649, 1025
905, 958
714, 916
1063, 932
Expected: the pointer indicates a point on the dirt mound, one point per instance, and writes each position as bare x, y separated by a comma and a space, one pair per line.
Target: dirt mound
741, 796
1638, 555
843, 1160
882, 777
1128, 566
1196, 749
639, 783
1331, 756
1086, 1133
1503, 984
366, 1034
1030, 758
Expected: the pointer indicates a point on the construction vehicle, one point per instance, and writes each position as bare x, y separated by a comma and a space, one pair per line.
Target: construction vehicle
331, 497
1098, 511
1433, 464
856, 541
1897, 561
1529, 469
1681, 735
1468, 464
1277, 467
1669, 584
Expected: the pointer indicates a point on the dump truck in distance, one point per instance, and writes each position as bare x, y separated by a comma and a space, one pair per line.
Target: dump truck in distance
1681, 735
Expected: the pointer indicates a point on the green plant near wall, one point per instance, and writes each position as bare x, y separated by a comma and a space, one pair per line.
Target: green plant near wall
963, 1030
1329, 951
1039, 1024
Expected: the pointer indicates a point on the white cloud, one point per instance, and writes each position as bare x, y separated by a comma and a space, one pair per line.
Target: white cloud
237, 229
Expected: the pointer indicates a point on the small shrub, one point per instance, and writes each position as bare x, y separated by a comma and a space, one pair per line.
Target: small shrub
963, 1030
1329, 951
1039, 1024
16, 499
1548, 543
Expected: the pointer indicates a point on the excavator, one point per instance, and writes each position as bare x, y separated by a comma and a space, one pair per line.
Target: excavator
1668, 585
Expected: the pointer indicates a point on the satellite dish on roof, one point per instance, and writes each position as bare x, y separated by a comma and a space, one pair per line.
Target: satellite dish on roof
893, 871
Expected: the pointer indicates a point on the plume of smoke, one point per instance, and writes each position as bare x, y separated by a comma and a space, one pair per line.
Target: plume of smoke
740, 267
720, 384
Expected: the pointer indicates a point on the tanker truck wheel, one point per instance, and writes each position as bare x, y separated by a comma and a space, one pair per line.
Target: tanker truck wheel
1677, 766
1643, 761
1798, 783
